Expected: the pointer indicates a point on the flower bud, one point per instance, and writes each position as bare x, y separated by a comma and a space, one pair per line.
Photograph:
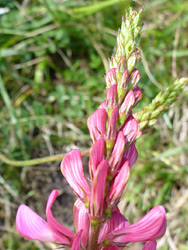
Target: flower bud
135, 77
121, 64
132, 61
137, 95
118, 186
111, 98
130, 130
126, 107
110, 77
97, 192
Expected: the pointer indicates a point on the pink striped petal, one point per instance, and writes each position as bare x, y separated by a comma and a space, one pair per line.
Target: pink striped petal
130, 155
130, 130
126, 106
111, 132
118, 186
55, 225
97, 123
150, 245
110, 77
117, 221
117, 153
96, 156
30, 225
111, 97
151, 227
111, 248
97, 191
76, 243
72, 169
81, 220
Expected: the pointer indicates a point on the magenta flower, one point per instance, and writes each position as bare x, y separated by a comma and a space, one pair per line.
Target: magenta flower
30, 225
72, 169
150, 228
137, 95
130, 155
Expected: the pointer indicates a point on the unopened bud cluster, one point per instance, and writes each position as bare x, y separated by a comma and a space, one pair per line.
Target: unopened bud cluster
113, 129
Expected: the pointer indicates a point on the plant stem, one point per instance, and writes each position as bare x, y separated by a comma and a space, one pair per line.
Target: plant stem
36, 161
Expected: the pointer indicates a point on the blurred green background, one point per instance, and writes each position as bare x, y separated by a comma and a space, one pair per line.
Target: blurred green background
53, 58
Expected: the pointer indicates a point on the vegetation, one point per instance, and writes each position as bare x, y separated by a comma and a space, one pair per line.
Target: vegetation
53, 57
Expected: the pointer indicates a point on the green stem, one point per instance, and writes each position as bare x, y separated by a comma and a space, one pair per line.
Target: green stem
36, 161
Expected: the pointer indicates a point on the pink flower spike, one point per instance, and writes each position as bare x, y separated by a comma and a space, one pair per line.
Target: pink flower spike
96, 156
130, 130
117, 153
72, 169
130, 155
117, 221
110, 77
31, 226
137, 95
77, 241
97, 191
55, 225
150, 245
96, 124
151, 227
81, 220
118, 186
111, 97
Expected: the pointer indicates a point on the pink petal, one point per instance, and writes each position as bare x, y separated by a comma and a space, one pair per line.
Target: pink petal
118, 186
137, 95
151, 227
81, 220
97, 191
96, 156
127, 105
130, 130
102, 105
72, 169
30, 225
97, 123
111, 97
117, 221
150, 245
130, 155
111, 127
117, 153
55, 225
76, 242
